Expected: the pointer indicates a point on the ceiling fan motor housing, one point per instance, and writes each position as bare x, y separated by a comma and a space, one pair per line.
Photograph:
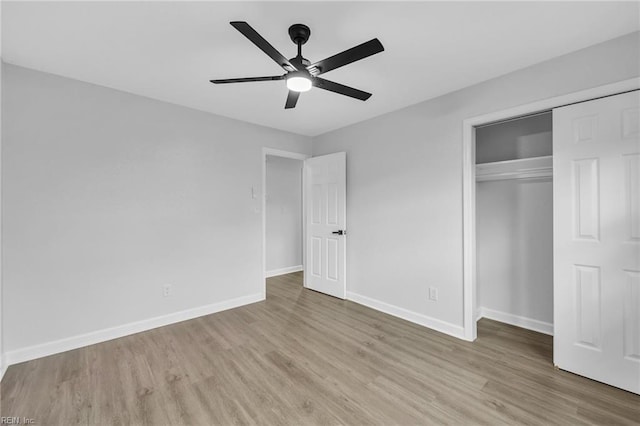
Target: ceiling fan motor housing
300, 63
299, 33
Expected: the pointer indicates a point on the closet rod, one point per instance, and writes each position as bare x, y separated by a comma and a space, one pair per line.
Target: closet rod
523, 168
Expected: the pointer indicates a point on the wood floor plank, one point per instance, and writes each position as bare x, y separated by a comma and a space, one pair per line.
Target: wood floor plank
303, 358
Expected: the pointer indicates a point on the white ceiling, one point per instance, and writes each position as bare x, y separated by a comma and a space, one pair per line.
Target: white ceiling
170, 50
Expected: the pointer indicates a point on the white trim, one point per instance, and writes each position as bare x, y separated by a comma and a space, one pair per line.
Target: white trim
99, 336
285, 154
469, 179
523, 322
469, 231
283, 271
524, 168
405, 314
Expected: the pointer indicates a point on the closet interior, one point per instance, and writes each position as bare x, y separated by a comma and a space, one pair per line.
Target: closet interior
514, 227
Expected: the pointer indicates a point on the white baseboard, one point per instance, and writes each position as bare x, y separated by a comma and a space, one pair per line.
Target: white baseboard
518, 321
424, 320
282, 271
99, 336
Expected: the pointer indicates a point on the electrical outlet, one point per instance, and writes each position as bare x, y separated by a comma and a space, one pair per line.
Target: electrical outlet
433, 294
166, 290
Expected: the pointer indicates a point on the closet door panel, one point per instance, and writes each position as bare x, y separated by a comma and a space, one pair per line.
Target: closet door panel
596, 155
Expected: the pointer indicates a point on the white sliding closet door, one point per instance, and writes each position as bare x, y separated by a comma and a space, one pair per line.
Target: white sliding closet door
596, 152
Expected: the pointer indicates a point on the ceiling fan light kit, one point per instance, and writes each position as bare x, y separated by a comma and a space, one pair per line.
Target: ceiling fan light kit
298, 81
301, 75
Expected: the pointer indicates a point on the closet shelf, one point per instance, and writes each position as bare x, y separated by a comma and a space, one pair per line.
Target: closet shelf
524, 168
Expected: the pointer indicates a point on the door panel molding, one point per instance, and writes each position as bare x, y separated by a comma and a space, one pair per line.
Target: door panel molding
586, 199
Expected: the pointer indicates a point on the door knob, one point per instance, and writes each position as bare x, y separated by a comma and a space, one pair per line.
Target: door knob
340, 232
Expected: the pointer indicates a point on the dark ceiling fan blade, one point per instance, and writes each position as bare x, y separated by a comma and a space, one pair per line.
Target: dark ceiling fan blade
331, 86
292, 99
262, 44
247, 79
361, 51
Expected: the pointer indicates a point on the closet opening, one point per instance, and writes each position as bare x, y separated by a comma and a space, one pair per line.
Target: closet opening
514, 221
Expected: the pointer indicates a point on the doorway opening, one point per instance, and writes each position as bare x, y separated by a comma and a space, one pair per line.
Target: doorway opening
514, 222
282, 213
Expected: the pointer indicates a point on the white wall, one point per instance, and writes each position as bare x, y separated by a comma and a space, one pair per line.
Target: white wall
514, 240
524, 138
109, 196
283, 215
2, 363
404, 181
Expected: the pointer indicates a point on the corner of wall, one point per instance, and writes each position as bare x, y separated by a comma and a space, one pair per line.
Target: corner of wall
411, 316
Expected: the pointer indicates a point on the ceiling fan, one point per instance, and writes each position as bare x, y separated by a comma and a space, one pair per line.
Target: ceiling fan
301, 74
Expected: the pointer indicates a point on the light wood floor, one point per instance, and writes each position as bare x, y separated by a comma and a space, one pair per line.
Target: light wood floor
304, 358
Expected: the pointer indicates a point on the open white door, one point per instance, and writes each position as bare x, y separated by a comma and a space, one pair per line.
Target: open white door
326, 215
596, 153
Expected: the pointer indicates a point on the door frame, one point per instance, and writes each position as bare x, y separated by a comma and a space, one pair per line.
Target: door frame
285, 154
469, 278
